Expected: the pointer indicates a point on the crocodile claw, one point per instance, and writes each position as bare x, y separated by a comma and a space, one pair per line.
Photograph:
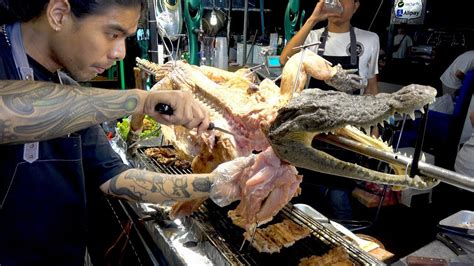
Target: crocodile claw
346, 80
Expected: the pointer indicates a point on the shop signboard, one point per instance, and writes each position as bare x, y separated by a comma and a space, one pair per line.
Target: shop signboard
225, 3
408, 12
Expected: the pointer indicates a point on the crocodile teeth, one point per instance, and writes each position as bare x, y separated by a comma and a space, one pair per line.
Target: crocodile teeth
422, 110
412, 115
367, 130
423, 157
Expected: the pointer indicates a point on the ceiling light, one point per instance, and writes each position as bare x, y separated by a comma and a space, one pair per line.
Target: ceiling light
213, 19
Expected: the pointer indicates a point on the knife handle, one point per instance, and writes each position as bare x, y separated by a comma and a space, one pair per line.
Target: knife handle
446, 240
211, 126
419, 261
164, 109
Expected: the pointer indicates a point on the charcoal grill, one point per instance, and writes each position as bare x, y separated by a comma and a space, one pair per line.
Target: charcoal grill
217, 238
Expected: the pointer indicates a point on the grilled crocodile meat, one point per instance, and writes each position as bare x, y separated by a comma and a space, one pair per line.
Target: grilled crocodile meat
167, 156
336, 256
276, 236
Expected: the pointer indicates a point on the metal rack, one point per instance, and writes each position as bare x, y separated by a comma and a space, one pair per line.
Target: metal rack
210, 233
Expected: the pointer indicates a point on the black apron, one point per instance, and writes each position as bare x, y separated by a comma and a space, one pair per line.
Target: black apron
347, 62
42, 208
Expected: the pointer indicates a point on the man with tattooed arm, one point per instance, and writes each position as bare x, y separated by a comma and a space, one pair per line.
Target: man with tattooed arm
51, 144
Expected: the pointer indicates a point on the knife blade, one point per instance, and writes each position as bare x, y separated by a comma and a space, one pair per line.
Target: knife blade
166, 109
212, 126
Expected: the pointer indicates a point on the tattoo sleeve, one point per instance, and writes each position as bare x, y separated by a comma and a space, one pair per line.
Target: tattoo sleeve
147, 186
34, 111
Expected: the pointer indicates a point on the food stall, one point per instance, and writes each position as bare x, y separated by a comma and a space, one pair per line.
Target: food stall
208, 236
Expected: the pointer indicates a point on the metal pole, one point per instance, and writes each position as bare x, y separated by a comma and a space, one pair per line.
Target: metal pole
153, 32
229, 21
246, 24
262, 18
419, 143
425, 169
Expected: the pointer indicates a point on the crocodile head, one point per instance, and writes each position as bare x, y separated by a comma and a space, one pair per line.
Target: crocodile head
316, 112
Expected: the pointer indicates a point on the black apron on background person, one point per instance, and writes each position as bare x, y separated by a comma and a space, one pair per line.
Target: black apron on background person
347, 62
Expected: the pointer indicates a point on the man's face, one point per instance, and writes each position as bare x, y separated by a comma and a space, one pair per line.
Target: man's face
350, 7
89, 46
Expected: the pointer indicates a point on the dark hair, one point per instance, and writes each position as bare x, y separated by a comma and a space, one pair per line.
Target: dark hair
26, 10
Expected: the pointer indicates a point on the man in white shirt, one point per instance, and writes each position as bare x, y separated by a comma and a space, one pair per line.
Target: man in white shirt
402, 42
338, 42
454, 75
452, 79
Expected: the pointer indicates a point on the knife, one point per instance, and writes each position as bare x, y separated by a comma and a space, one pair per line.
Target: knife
455, 247
166, 109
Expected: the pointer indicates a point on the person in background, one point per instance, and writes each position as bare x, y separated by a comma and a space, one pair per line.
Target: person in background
51, 144
453, 76
353, 48
464, 163
451, 81
402, 42
341, 43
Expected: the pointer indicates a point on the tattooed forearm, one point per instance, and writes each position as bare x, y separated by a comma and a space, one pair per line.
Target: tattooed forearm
141, 185
202, 184
33, 111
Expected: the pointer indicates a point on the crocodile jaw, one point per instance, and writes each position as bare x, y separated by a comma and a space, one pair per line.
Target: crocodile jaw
297, 124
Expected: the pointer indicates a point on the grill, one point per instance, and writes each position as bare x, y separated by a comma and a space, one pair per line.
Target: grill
211, 224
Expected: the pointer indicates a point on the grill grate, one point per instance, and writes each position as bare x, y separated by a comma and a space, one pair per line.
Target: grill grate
152, 164
227, 238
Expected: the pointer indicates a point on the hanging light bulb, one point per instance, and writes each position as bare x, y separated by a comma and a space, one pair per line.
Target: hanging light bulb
213, 20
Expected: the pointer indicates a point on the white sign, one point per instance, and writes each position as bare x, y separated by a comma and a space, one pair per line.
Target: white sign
408, 9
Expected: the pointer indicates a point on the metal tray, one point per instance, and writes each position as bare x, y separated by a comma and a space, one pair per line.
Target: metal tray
461, 222
310, 211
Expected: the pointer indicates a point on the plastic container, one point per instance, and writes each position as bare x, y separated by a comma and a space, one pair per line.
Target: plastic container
221, 59
333, 6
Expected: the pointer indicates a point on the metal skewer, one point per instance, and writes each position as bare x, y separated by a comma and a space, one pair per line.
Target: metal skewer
254, 231
303, 49
253, 235
425, 169
306, 45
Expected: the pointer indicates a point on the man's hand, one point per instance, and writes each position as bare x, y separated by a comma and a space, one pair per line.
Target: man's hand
227, 178
187, 112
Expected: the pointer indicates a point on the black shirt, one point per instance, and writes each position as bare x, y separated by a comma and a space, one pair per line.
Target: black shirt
43, 204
